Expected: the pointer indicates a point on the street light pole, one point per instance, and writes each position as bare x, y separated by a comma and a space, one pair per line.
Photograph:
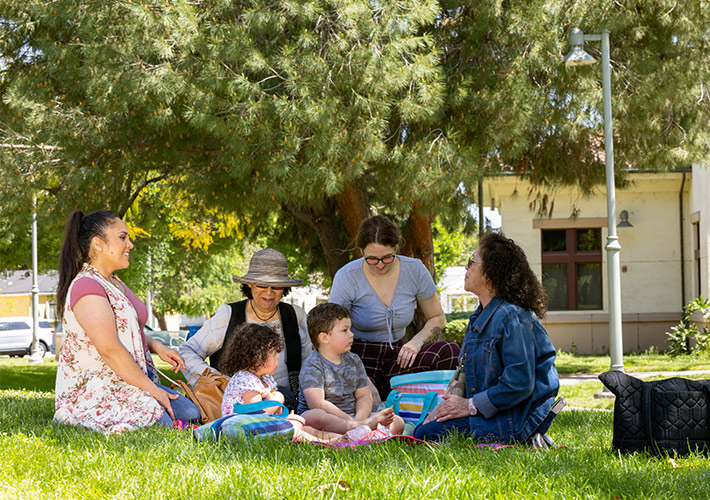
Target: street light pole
578, 57
616, 347
35, 358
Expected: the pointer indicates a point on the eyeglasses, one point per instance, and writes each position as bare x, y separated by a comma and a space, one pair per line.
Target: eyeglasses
471, 261
373, 261
274, 288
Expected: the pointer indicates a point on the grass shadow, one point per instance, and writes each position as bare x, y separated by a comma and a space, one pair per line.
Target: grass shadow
20, 375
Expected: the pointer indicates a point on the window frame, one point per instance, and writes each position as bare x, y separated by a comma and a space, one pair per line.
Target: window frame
571, 259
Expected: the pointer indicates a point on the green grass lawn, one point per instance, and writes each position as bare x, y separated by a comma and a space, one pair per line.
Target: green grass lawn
42, 460
650, 361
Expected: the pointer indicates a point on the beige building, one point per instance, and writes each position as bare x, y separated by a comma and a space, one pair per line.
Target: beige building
664, 241
16, 294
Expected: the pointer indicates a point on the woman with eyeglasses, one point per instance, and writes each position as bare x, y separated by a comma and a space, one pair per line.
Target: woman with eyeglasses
382, 290
508, 359
264, 285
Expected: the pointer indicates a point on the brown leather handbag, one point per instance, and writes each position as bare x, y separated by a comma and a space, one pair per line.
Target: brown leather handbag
206, 392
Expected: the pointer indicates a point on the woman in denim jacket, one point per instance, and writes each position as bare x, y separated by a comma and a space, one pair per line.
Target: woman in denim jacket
509, 361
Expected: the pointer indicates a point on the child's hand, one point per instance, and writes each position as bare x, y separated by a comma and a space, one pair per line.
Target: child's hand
276, 396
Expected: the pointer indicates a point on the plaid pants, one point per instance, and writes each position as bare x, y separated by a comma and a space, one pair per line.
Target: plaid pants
380, 360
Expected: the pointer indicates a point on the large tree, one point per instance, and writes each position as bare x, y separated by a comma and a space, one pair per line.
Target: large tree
301, 118
256, 109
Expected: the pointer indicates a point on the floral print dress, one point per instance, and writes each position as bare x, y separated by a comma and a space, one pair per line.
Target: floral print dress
88, 392
241, 382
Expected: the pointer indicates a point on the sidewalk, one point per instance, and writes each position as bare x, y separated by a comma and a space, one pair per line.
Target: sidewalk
578, 378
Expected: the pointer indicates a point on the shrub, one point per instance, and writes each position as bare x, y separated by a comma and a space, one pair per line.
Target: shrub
458, 315
455, 330
678, 338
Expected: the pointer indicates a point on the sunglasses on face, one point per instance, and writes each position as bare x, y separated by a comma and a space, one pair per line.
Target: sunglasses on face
373, 261
274, 288
471, 261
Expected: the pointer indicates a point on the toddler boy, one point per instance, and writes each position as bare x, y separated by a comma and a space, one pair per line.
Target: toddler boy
334, 389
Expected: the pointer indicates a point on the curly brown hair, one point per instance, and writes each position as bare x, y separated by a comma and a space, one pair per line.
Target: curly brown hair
248, 348
507, 269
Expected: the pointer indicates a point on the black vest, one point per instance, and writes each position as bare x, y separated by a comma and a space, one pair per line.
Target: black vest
289, 323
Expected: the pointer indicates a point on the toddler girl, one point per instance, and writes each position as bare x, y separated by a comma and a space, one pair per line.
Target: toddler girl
250, 359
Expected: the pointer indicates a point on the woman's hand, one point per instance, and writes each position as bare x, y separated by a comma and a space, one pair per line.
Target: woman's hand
409, 352
432, 414
435, 320
451, 407
170, 356
164, 397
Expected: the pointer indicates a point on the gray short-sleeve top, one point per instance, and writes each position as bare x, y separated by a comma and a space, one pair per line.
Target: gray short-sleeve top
372, 320
339, 382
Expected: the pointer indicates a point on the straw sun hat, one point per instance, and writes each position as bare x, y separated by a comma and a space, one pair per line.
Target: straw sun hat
268, 267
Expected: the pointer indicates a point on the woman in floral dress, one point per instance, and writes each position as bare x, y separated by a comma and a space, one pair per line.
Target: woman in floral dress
105, 379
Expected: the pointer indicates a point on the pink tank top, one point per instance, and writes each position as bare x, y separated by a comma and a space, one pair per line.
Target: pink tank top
88, 286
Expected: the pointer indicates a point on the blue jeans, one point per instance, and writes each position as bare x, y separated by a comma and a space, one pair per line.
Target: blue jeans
498, 429
183, 409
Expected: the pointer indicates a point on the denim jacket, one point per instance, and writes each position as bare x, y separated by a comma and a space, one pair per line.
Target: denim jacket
510, 368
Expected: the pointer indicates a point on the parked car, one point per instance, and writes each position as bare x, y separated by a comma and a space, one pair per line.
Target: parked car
169, 338
16, 336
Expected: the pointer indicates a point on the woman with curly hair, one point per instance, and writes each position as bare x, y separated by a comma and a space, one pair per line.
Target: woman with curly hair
252, 354
507, 357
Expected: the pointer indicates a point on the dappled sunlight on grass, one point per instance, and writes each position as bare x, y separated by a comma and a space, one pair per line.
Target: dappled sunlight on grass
45, 460
17, 373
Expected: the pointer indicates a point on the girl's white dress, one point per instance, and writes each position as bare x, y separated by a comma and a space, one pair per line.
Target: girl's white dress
241, 382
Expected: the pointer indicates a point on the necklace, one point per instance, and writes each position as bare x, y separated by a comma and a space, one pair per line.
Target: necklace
263, 320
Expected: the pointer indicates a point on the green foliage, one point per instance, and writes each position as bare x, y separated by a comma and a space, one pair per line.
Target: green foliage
452, 244
268, 111
455, 330
458, 315
680, 336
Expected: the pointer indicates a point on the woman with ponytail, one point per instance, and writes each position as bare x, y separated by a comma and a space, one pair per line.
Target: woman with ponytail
106, 380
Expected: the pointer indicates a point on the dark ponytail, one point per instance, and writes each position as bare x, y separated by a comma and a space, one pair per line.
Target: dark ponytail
79, 232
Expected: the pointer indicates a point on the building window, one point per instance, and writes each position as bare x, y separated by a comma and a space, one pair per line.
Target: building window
461, 302
572, 268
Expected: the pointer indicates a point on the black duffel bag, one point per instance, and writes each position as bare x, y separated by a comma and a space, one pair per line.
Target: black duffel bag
671, 415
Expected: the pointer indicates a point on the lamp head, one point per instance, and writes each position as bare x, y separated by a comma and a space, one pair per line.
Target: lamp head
577, 56
624, 216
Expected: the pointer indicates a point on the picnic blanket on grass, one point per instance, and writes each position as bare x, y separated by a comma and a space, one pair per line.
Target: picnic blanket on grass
411, 440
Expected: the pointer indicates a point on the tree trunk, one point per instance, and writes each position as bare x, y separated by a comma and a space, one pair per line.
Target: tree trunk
162, 322
354, 208
418, 243
325, 224
418, 239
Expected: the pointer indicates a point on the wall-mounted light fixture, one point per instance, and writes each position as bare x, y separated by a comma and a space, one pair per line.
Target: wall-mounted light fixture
624, 216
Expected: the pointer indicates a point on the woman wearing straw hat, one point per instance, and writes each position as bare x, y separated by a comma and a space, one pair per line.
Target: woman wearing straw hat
266, 283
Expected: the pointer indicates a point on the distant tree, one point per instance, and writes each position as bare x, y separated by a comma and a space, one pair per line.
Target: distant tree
300, 119
453, 245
